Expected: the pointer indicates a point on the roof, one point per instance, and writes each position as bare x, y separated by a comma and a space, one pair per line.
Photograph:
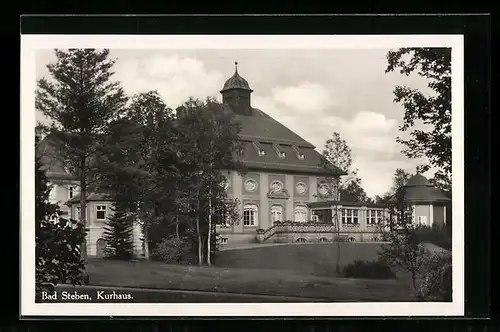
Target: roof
419, 189
418, 180
47, 152
236, 82
91, 197
259, 131
329, 203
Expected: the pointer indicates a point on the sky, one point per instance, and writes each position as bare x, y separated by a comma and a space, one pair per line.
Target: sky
312, 92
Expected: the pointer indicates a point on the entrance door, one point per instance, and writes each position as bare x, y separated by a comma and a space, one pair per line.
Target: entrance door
100, 244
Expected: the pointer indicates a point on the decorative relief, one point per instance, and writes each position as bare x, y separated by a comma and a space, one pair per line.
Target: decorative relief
250, 185
323, 189
276, 187
301, 188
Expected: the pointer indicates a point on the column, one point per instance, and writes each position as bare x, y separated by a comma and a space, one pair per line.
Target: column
362, 218
413, 214
264, 213
290, 208
238, 193
431, 217
444, 214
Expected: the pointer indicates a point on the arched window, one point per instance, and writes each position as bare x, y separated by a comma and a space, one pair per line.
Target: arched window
276, 213
300, 213
250, 215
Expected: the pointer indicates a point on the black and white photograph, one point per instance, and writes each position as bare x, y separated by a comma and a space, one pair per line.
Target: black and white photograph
242, 175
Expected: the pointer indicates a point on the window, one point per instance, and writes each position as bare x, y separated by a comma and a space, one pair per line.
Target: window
70, 192
280, 153
101, 212
222, 218
78, 213
300, 214
349, 216
373, 217
422, 220
250, 215
276, 213
299, 154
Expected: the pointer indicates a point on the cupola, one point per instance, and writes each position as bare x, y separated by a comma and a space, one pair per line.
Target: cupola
236, 93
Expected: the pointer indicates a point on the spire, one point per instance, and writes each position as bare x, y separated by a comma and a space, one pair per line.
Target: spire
236, 81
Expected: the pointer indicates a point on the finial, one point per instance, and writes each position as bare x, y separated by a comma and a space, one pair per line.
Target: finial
236, 66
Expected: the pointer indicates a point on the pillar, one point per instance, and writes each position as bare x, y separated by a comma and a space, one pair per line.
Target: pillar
431, 217
444, 214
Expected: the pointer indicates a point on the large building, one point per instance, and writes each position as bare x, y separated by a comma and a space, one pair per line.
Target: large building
288, 193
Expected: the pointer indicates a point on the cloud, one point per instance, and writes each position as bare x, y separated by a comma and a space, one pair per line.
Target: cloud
175, 78
305, 97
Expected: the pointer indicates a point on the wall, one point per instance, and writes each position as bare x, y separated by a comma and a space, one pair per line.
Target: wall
96, 227
438, 215
60, 193
423, 210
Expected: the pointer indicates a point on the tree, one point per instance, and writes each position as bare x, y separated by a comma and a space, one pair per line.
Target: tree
118, 233
404, 249
210, 145
337, 152
399, 180
81, 100
433, 110
57, 240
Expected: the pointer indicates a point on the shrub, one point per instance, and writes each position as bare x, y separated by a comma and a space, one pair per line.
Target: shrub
172, 250
377, 269
436, 283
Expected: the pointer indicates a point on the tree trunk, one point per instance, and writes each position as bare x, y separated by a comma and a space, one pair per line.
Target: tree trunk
177, 225
146, 244
83, 216
198, 233
209, 225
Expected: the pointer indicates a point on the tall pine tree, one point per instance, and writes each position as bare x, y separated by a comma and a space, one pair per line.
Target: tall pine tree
81, 100
118, 234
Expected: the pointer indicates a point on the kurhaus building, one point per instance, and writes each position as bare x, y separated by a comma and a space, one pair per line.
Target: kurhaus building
286, 195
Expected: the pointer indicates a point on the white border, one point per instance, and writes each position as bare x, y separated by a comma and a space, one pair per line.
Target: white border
31, 43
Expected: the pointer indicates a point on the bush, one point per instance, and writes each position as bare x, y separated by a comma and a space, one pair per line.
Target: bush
440, 236
377, 269
172, 251
436, 283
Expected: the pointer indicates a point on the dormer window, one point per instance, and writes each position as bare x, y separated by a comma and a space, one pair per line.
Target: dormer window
260, 151
280, 153
299, 154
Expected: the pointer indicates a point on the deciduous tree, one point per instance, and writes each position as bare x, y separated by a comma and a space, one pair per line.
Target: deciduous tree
57, 240
432, 109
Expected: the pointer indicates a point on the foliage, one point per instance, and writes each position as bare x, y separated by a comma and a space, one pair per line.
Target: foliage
80, 99
338, 153
434, 109
377, 269
118, 234
436, 284
208, 136
57, 240
173, 251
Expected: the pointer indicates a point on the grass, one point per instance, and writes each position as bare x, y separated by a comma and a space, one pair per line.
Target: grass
291, 270
315, 259
156, 275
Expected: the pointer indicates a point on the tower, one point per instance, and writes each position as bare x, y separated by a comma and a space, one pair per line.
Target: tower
236, 93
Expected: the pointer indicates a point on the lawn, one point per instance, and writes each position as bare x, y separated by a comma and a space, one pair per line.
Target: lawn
315, 259
305, 271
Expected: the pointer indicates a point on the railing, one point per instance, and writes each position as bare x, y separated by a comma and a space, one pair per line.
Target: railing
313, 227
